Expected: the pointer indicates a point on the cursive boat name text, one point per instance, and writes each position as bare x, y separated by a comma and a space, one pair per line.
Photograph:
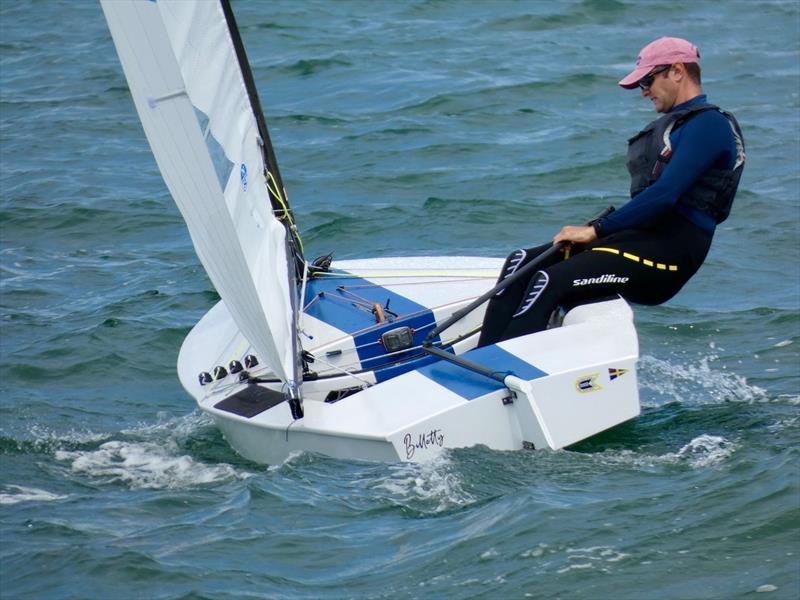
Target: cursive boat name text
423, 441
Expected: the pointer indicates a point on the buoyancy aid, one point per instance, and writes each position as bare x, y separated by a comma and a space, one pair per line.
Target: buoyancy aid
650, 150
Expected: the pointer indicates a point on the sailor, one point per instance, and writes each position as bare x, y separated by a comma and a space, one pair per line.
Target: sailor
685, 168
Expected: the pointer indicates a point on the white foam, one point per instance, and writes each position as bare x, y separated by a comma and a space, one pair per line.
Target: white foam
789, 398
490, 554
535, 552
293, 457
17, 493
177, 428
594, 557
706, 451
701, 452
153, 459
698, 383
781, 424
48, 439
426, 481
578, 566
146, 465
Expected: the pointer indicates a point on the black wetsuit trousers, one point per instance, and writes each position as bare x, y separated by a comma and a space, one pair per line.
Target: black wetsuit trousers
642, 266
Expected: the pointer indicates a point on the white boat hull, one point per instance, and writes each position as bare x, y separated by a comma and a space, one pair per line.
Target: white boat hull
560, 386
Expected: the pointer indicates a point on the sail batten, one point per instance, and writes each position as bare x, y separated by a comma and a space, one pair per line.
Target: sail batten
189, 90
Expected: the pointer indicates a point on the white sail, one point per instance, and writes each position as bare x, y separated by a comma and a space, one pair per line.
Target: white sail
188, 89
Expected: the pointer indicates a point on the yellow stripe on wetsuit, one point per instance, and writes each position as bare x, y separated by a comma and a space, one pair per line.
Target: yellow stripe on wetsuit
634, 258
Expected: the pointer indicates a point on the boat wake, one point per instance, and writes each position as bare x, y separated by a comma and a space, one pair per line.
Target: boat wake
146, 465
428, 487
149, 457
432, 486
701, 452
697, 384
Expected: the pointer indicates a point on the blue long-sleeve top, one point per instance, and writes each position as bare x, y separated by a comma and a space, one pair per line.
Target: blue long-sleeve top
705, 141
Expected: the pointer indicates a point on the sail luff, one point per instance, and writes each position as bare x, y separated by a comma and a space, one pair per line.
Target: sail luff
270, 159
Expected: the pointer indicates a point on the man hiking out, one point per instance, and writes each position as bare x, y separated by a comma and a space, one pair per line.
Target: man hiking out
685, 168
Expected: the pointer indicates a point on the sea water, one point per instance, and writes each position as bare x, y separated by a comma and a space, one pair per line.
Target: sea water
402, 128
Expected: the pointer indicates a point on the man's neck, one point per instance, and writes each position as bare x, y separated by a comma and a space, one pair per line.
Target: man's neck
686, 94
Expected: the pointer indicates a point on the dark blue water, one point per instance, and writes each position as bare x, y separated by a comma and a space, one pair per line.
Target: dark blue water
413, 128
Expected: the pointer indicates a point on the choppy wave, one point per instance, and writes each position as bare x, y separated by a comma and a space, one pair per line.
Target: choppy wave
13, 494
42, 439
149, 456
434, 485
308, 67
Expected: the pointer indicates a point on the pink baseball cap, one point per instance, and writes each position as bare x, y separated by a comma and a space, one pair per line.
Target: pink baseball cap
664, 51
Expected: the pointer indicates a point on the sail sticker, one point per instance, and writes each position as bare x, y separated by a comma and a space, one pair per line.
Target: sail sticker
243, 176
614, 373
588, 383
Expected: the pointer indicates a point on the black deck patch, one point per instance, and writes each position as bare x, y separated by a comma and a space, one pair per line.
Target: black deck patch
251, 401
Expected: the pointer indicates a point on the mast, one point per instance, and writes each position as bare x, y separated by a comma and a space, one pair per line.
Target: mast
278, 199
275, 188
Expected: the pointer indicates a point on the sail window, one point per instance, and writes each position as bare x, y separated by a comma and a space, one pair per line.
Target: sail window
222, 166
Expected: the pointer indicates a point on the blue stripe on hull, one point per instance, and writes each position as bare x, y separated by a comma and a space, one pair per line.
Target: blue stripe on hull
470, 385
341, 309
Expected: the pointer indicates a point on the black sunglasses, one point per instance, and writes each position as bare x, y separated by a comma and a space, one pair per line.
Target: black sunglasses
646, 81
